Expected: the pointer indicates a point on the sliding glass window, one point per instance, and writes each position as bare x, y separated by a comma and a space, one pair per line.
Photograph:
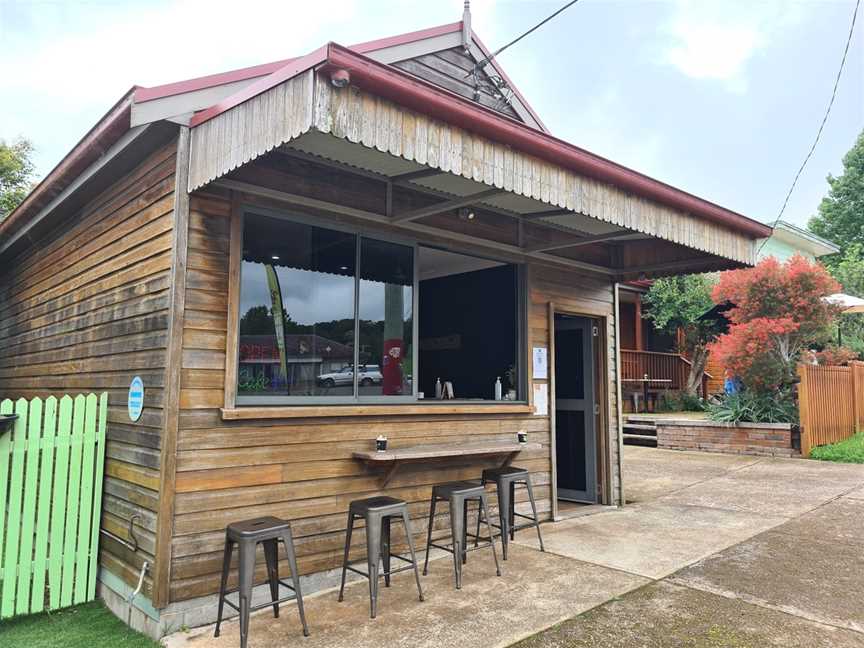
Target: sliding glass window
303, 304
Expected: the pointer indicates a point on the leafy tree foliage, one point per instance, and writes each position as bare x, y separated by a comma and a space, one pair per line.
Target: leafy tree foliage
16, 174
848, 269
778, 312
841, 212
675, 304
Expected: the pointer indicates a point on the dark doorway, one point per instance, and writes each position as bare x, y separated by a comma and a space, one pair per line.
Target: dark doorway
575, 409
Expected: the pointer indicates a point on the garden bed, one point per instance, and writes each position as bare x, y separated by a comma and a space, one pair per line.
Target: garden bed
764, 439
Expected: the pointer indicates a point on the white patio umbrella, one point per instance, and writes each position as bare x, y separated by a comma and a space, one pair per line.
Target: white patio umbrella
849, 303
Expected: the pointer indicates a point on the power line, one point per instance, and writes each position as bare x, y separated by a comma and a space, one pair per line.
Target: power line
483, 62
821, 126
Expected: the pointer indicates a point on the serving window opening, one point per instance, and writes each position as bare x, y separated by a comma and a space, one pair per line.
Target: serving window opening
335, 316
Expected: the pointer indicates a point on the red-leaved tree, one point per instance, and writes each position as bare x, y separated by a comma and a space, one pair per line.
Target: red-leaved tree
778, 311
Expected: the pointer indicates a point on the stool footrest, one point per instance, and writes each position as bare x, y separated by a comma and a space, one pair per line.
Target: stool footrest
449, 548
261, 606
382, 572
517, 527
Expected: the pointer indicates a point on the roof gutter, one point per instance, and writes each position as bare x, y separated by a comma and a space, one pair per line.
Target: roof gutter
90, 148
423, 97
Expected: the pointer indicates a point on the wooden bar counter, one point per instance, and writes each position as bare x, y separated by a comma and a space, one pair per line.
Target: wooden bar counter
390, 460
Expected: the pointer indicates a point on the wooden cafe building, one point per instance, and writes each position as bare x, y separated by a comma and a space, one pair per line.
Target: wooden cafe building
300, 256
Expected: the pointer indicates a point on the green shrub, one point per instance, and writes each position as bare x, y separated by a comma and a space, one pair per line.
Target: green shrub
754, 407
679, 401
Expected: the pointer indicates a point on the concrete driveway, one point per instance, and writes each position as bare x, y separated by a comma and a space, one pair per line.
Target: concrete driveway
714, 550
740, 551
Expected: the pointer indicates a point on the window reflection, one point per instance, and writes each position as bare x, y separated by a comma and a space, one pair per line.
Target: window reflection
386, 348
296, 310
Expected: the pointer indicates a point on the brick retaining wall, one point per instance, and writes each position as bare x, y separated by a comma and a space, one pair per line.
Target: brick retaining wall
770, 439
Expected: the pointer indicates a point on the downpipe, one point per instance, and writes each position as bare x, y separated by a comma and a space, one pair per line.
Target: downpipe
131, 598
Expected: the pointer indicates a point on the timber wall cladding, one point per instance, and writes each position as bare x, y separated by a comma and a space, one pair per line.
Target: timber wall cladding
308, 102
87, 309
300, 469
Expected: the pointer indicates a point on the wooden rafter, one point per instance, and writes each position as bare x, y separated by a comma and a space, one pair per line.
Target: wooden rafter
402, 178
447, 205
511, 251
547, 214
588, 240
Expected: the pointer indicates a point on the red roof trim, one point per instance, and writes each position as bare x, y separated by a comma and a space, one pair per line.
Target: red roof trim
204, 82
89, 148
407, 90
295, 67
201, 83
403, 39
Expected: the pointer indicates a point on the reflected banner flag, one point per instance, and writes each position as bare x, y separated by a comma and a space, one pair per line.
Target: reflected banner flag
278, 319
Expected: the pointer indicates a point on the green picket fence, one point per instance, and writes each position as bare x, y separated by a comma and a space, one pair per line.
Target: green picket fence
51, 468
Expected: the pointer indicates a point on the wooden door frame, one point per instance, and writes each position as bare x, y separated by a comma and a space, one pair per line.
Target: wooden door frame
601, 392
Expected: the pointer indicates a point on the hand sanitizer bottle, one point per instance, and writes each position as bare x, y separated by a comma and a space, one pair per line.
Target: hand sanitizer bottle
438, 389
498, 388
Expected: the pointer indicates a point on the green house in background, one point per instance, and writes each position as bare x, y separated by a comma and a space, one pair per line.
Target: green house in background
789, 240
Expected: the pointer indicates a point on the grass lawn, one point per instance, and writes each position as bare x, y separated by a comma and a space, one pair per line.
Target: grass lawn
85, 626
850, 450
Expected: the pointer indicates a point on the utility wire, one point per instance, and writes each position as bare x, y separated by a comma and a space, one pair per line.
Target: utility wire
486, 60
821, 126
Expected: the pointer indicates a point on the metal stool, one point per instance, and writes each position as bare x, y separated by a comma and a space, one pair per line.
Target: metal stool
247, 535
505, 480
378, 512
459, 494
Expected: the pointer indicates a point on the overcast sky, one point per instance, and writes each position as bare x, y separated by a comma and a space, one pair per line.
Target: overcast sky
719, 98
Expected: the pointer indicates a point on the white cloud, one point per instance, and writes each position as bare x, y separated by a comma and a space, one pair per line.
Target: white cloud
717, 39
119, 46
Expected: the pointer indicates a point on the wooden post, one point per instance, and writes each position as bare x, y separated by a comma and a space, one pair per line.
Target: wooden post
853, 369
639, 342
161, 573
803, 410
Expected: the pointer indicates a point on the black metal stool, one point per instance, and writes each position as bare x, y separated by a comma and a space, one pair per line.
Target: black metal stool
505, 480
247, 535
459, 494
378, 512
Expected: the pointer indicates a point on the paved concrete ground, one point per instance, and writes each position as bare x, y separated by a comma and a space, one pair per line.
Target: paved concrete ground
793, 579
716, 550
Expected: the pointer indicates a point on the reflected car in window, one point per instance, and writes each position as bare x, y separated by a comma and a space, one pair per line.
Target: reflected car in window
368, 375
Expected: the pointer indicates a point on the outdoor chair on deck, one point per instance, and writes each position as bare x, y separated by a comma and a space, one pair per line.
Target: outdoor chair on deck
247, 535
458, 494
378, 512
505, 479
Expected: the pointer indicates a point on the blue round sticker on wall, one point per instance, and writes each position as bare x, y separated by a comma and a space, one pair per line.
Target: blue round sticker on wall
136, 398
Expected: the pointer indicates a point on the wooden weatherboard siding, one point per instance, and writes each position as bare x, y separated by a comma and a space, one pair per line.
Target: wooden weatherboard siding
452, 69
302, 468
308, 102
86, 309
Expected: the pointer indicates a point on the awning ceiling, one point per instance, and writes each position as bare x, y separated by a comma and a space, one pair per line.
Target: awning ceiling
352, 127
385, 165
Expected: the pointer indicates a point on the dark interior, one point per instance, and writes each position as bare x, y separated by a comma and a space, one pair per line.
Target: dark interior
468, 331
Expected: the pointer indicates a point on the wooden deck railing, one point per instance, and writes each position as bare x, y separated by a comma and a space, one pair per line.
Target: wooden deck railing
831, 404
670, 370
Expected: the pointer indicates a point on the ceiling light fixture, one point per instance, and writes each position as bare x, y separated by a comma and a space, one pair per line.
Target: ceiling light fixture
466, 214
275, 257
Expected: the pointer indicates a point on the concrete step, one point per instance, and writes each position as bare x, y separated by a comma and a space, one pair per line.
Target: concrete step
636, 418
640, 440
639, 426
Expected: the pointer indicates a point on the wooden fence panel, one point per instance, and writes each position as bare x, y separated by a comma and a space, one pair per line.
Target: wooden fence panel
858, 389
829, 404
51, 471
